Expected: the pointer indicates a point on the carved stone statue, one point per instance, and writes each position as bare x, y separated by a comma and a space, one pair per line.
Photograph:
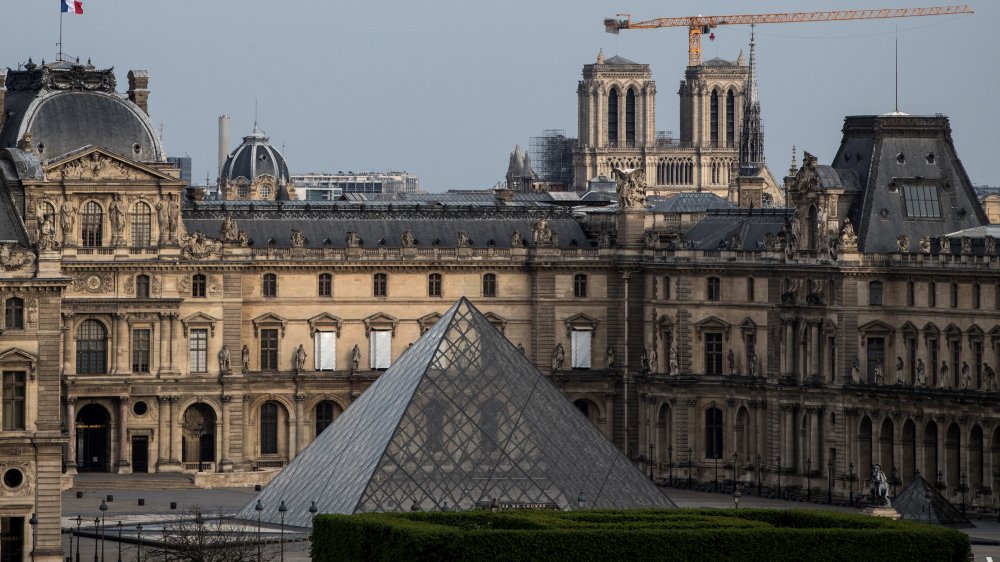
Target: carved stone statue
300, 359
877, 373
407, 239
116, 211
966, 377
879, 487
921, 373
13, 257
168, 213
224, 366
520, 347
352, 240
925, 244
198, 246
990, 378
631, 187
966, 245
67, 219
945, 244
899, 370
541, 233
516, 239
903, 243
463, 239
47, 236
673, 364
558, 357
229, 232
848, 239
298, 239
245, 358
752, 361
644, 360
653, 360
173, 216
610, 354
355, 358
943, 375
855, 370
990, 244
731, 361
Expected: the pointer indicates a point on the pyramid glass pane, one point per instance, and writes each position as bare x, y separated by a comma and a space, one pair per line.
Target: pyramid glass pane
461, 418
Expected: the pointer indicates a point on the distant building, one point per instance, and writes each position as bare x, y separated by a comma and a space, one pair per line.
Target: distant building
183, 163
327, 187
256, 171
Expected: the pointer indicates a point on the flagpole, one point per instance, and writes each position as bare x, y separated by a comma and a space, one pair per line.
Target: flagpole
60, 32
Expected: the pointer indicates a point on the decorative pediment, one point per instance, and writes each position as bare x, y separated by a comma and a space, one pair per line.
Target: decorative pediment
18, 358
199, 319
95, 164
665, 322
324, 322
931, 330
498, 321
712, 324
427, 321
580, 322
995, 332
380, 321
829, 326
748, 326
908, 328
268, 320
953, 331
974, 332
877, 327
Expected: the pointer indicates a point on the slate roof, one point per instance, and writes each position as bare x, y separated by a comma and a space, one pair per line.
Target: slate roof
326, 223
749, 225
619, 60
255, 157
461, 417
693, 202
912, 503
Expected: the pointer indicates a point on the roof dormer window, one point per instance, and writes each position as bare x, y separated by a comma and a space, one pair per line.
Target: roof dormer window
922, 201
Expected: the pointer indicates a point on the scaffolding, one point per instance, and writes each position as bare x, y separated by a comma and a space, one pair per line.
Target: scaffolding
552, 156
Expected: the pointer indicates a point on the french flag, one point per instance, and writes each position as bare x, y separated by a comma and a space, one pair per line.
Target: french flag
72, 6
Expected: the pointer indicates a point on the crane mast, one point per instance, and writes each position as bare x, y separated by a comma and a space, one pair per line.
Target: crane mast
699, 25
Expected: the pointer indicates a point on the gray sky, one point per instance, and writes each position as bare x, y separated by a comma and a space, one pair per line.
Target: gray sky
445, 89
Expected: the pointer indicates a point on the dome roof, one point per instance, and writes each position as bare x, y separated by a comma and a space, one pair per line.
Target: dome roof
65, 106
254, 158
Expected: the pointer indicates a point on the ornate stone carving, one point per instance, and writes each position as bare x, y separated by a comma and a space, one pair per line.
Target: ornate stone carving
229, 233
129, 285
214, 285
94, 283
199, 246
966, 246
903, 244
407, 239
16, 258
352, 239
95, 166
183, 283
463, 240
631, 187
168, 213
848, 239
154, 282
990, 245
516, 239
47, 236
298, 239
542, 233
67, 218
33, 311
925, 244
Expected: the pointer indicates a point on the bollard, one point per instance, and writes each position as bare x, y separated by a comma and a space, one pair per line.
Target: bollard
79, 494
173, 505
142, 501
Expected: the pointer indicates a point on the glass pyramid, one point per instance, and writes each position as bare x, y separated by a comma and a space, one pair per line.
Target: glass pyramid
461, 419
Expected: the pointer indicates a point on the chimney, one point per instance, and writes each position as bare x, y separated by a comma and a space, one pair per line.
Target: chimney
3, 93
138, 89
223, 142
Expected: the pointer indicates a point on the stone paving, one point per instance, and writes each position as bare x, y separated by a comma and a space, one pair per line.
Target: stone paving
159, 493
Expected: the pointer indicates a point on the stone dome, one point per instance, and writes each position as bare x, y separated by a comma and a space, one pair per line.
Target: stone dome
251, 165
63, 106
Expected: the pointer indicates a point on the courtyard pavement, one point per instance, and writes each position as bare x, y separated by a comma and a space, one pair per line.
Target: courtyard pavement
158, 491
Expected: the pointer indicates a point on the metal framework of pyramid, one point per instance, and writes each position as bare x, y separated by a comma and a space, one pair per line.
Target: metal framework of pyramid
920, 501
461, 418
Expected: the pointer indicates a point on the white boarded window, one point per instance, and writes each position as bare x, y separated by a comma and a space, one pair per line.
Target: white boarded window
325, 352
381, 349
580, 342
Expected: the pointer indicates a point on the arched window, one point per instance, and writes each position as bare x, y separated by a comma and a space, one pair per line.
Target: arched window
730, 119
269, 429
142, 286
630, 117
198, 283
270, 285
713, 433
91, 348
490, 285
875, 293
613, 117
46, 212
141, 224
242, 189
714, 123
380, 285
325, 414
14, 313
91, 224
325, 285
580, 286
434, 285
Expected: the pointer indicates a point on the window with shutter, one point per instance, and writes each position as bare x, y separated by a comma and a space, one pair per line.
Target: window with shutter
580, 345
325, 352
381, 349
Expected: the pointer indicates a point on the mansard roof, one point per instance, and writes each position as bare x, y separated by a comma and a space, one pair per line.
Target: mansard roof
692, 202
749, 226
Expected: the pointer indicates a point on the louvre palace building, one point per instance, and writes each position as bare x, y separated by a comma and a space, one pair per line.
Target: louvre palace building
146, 329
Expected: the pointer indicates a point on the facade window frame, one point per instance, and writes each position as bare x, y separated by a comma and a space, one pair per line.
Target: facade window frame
92, 225
714, 429
380, 285
489, 284
325, 285
875, 293
14, 403
713, 352
580, 286
269, 414
434, 283
141, 347
269, 345
92, 348
269, 285
199, 286
14, 313
713, 289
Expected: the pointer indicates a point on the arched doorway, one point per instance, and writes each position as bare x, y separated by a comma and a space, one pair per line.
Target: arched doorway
93, 439
198, 437
664, 435
952, 448
885, 441
976, 459
742, 429
931, 466
865, 446
909, 460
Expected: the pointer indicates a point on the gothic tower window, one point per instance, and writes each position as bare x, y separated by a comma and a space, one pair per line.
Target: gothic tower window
91, 348
141, 224
714, 124
91, 224
613, 117
630, 117
730, 119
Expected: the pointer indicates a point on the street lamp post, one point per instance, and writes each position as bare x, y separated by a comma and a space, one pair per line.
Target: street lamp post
689, 467
79, 520
963, 487
829, 481
103, 507
927, 496
850, 478
258, 508
313, 509
119, 541
200, 432
34, 535
809, 479
758, 475
651, 461
736, 470
282, 509
138, 541
779, 477
97, 539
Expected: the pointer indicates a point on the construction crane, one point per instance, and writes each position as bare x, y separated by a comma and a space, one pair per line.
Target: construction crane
699, 25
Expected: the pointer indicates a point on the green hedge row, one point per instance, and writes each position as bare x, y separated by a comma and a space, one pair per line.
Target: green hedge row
683, 534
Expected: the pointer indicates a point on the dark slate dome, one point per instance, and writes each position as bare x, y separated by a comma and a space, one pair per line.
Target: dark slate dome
65, 106
255, 158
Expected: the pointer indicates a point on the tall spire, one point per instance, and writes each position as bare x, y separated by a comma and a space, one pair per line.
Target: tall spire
752, 136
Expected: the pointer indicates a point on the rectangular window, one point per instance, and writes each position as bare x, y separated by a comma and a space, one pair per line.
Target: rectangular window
12, 539
714, 290
580, 345
325, 285
876, 357
198, 361
977, 296
381, 349
380, 285
932, 294
140, 351
910, 299
13, 400
269, 350
713, 353
954, 295
921, 201
325, 352
489, 285
666, 288
750, 289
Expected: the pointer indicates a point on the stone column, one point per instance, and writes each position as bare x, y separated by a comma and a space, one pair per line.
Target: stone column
120, 365
163, 343
69, 463
788, 353
788, 453
175, 432
225, 463
815, 436
69, 345
162, 433
124, 466
300, 437
814, 354
173, 334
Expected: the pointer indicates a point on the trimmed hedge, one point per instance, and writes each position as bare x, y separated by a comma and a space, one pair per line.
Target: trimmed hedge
680, 534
